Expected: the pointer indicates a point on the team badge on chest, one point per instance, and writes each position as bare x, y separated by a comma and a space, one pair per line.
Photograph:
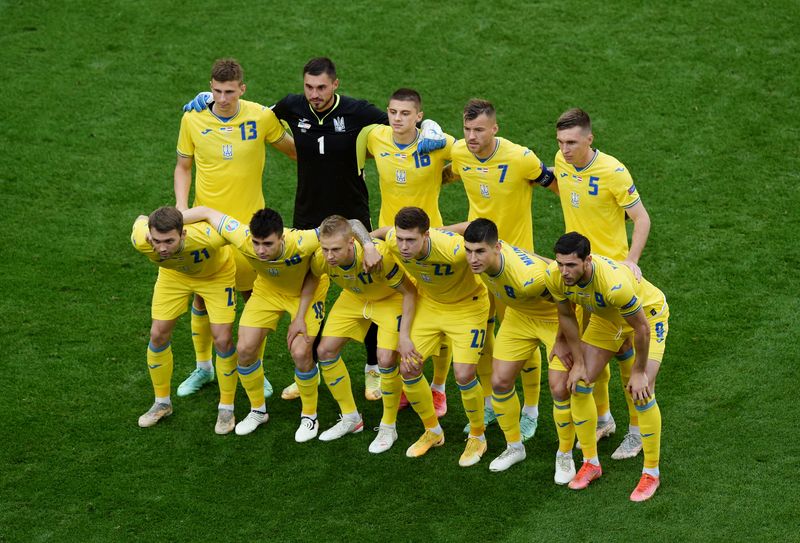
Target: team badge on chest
400, 177
574, 199
227, 151
484, 190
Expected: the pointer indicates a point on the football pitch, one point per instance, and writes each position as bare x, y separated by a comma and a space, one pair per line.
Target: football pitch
699, 100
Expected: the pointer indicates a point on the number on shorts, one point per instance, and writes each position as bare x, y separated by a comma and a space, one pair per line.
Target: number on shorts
476, 336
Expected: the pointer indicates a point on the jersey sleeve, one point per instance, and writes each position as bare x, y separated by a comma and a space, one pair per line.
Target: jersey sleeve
622, 295
393, 274
235, 233
553, 282
531, 165
623, 188
307, 240
367, 114
281, 108
185, 143
274, 131
446, 152
139, 236
318, 265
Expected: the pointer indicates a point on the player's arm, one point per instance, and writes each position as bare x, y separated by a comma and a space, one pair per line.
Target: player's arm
546, 178
542, 258
638, 385
449, 175
372, 258
202, 213
405, 347
286, 146
641, 231
568, 344
182, 181
458, 228
298, 324
380, 233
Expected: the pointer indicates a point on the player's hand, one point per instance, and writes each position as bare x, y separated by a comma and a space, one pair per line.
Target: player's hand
410, 366
408, 352
637, 273
199, 103
296, 328
576, 374
373, 260
431, 138
562, 351
639, 387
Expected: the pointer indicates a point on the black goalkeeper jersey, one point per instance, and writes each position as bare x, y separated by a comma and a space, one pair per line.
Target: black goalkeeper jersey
328, 177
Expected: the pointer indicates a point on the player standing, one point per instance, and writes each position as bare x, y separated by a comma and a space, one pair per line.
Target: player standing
597, 192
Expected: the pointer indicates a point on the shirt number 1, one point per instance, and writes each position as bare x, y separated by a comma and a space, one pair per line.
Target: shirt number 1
321, 141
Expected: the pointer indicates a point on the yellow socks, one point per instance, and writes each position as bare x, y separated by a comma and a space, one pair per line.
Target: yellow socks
391, 387
309, 390
625, 364
338, 380
472, 399
420, 397
584, 416
650, 427
201, 335
252, 378
226, 375
601, 400
532, 379
441, 364
484, 369
562, 416
506, 406
159, 363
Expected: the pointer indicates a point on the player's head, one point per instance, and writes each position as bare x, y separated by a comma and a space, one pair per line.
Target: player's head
227, 85
336, 240
480, 126
412, 227
405, 111
320, 82
574, 135
482, 245
266, 231
573, 255
166, 231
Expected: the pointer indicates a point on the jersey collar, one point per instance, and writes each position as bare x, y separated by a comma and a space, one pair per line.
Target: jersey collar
404, 146
226, 119
596, 154
496, 147
321, 120
589, 282
502, 267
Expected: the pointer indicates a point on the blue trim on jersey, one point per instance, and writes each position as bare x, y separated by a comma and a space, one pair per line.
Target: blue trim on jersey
491, 321
221, 224
199, 312
596, 154
430, 248
471, 384
330, 362
249, 369
589, 282
404, 146
393, 272
158, 349
225, 119
496, 147
502, 267
306, 375
647, 406
226, 355
632, 204
353, 263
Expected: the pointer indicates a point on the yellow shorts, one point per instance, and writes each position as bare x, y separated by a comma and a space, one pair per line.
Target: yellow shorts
352, 316
173, 290
609, 336
520, 336
464, 323
245, 274
265, 308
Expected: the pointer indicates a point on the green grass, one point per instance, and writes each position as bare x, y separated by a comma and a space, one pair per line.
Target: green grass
698, 100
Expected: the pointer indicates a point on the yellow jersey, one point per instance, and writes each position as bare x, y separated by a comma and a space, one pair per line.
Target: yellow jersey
286, 273
520, 283
594, 200
229, 156
370, 287
202, 253
499, 188
612, 293
407, 178
443, 274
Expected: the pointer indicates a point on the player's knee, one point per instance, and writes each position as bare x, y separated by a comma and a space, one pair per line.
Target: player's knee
325, 351
501, 382
301, 354
199, 303
158, 337
247, 352
464, 373
409, 373
386, 359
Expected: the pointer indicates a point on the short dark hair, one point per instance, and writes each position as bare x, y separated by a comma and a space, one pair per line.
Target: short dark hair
573, 242
319, 66
477, 107
407, 95
266, 222
481, 231
574, 117
227, 69
165, 219
412, 217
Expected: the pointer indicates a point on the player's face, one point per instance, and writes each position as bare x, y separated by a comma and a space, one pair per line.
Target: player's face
166, 244
226, 96
403, 116
337, 249
319, 90
483, 257
479, 134
411, 243
268, 248
573, 269
576, 145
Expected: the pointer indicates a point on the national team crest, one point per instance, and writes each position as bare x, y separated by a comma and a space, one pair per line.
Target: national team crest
425, 277
227, 151
400, 177
338, 124
574, 199
273, 272
484, 190
232, 225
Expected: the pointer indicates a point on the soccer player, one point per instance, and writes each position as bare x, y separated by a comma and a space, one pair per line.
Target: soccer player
330, 180
282, 259
408, 177
191, 260
226, 145
597, 192
499, 177
452, 304
517, 278
386, 298
621, 309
